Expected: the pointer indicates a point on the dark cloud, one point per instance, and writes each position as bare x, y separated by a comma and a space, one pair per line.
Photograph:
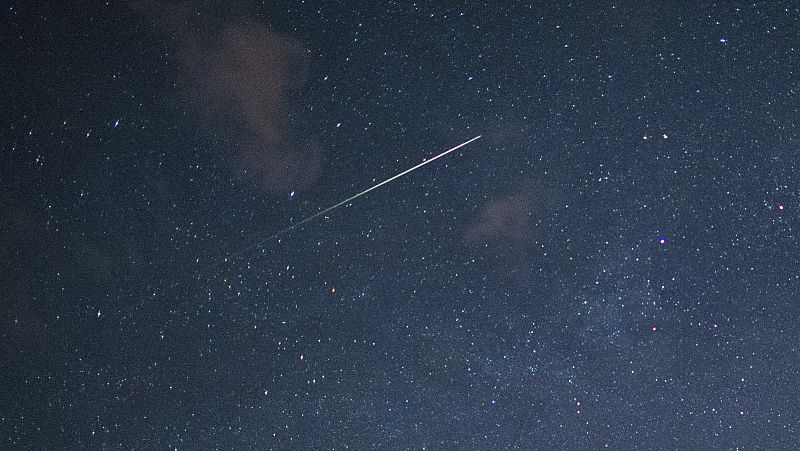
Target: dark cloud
245, 82
250, 75
87, 262
504, 220
504, 233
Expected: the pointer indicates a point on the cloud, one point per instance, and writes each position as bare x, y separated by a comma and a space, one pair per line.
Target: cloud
504, 233
78, 262
245, 82
505, 220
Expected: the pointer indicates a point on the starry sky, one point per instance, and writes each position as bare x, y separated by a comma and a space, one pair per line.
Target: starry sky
614, 264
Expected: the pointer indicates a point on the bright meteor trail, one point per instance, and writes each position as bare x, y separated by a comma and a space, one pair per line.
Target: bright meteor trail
351, 198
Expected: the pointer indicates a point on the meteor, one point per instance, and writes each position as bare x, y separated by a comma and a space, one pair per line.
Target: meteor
354, 197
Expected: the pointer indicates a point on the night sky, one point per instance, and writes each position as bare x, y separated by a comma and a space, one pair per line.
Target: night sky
615, 263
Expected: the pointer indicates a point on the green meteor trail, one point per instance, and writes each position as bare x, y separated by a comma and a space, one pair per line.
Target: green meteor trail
355, 196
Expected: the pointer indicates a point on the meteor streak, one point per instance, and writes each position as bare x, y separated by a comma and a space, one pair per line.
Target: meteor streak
351, 198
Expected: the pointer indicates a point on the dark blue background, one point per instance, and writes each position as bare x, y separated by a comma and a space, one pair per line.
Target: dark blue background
512, 294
